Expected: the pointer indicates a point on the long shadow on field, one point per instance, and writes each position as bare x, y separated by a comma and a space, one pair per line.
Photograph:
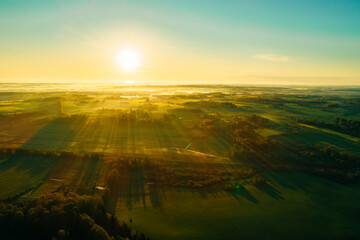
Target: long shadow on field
19, 172
32, 165
243, 192
128, 188
136, 187
291, 180
271, 191
155, 194
83, 170
213, 191
91, 171
58, 134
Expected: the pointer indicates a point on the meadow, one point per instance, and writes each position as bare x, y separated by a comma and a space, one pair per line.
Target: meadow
190, 162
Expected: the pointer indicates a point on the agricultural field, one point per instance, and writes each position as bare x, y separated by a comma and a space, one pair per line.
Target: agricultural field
190, 162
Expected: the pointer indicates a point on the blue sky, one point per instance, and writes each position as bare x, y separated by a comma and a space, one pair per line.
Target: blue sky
245, 39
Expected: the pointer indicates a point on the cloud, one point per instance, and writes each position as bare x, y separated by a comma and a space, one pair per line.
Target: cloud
272, 57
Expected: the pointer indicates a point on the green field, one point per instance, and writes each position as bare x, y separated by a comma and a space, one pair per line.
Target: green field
294, 206
191, 162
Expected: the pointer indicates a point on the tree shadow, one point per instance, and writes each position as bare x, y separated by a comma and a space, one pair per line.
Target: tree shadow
271, 191
136, 187
290, 180
30, 164
210, 191
128, 189
243, 192
57, 134
156, 194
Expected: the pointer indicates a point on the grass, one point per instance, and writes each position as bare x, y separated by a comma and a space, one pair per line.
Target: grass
309, 135
332, 132
294, 206
18, 174
266, 132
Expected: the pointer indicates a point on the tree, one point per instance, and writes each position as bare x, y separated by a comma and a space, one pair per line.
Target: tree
99, 233
62, 234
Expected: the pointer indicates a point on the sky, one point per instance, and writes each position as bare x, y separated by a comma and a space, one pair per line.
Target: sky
181, 42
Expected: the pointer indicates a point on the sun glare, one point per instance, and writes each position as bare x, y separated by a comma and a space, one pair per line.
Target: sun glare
129, 82
129, 60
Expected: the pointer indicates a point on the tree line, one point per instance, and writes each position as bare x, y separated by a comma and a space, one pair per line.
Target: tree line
49, 153
62, 216
329, 162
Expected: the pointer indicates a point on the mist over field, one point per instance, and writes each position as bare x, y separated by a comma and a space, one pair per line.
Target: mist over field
170, 161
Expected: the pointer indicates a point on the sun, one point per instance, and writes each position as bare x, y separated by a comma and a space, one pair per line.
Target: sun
129, 60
